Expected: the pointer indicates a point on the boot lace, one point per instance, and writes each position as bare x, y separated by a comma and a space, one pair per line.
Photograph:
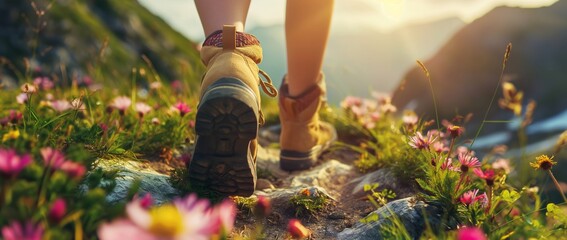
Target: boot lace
267, 85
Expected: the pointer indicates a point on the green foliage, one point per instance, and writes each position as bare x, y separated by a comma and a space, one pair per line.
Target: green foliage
309, 201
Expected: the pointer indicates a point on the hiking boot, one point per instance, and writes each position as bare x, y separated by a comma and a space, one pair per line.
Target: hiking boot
228, 115
303, 136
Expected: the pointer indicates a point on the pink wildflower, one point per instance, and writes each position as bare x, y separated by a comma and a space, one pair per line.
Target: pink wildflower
350, 101
420, 142
503, 164
448, 165
297, 230
469, 197
61, 105
28, 88
22, 98
56, 160
182, 108
177, 85
52, 157
121, 104
471, 233
11, 164
78, 105
472, 197
410, 119
57, 210
43, 83
487, 175
15, 116
467, 161
142, 109
263, 207
27, 231
455, 131
73, 169
439, 147
188, 218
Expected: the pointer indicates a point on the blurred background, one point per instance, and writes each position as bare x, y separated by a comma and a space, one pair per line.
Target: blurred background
373, 48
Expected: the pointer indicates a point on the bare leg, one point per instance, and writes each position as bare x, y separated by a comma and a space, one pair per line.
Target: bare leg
307, 27
216, 13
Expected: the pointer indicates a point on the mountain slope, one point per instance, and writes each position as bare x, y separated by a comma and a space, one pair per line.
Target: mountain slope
89, 36
465, 71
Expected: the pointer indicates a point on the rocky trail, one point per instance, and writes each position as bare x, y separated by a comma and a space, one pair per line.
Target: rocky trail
334, 178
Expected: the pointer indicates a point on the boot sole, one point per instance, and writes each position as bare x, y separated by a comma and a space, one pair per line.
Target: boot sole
226, 123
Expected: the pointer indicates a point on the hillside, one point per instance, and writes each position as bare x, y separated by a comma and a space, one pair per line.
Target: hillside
465, 70
94, 37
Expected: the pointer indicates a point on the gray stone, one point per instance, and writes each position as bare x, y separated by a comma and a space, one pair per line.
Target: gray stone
327, 175
280, 197
268, 159
262, 184
130, 171
385, 178
409, 211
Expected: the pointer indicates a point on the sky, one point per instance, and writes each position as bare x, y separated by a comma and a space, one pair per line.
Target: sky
382, 15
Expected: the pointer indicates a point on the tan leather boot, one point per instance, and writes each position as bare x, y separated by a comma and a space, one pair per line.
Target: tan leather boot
303, 136
228, 115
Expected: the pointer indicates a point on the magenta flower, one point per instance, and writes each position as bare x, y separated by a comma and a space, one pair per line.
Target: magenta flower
56, 160
61, 105
467, 161
487, 175
469, 197
57, 210
471, 233
263, 207
121, 104
420, 142
142, 109
43, 83
182, 108
15, 116
27, 231
11, 164
188, 218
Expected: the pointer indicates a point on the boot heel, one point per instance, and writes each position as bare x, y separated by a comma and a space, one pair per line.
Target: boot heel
226, 123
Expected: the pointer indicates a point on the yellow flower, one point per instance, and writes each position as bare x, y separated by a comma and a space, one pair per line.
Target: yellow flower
543, 162
12, 134
166, 221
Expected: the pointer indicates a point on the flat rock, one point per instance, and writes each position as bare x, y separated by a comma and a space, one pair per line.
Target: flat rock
130, 171
328, 175
408, 210
268, 159
385, 178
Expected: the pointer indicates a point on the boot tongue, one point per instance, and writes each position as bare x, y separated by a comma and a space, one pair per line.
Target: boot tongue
228, 37
240, 39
